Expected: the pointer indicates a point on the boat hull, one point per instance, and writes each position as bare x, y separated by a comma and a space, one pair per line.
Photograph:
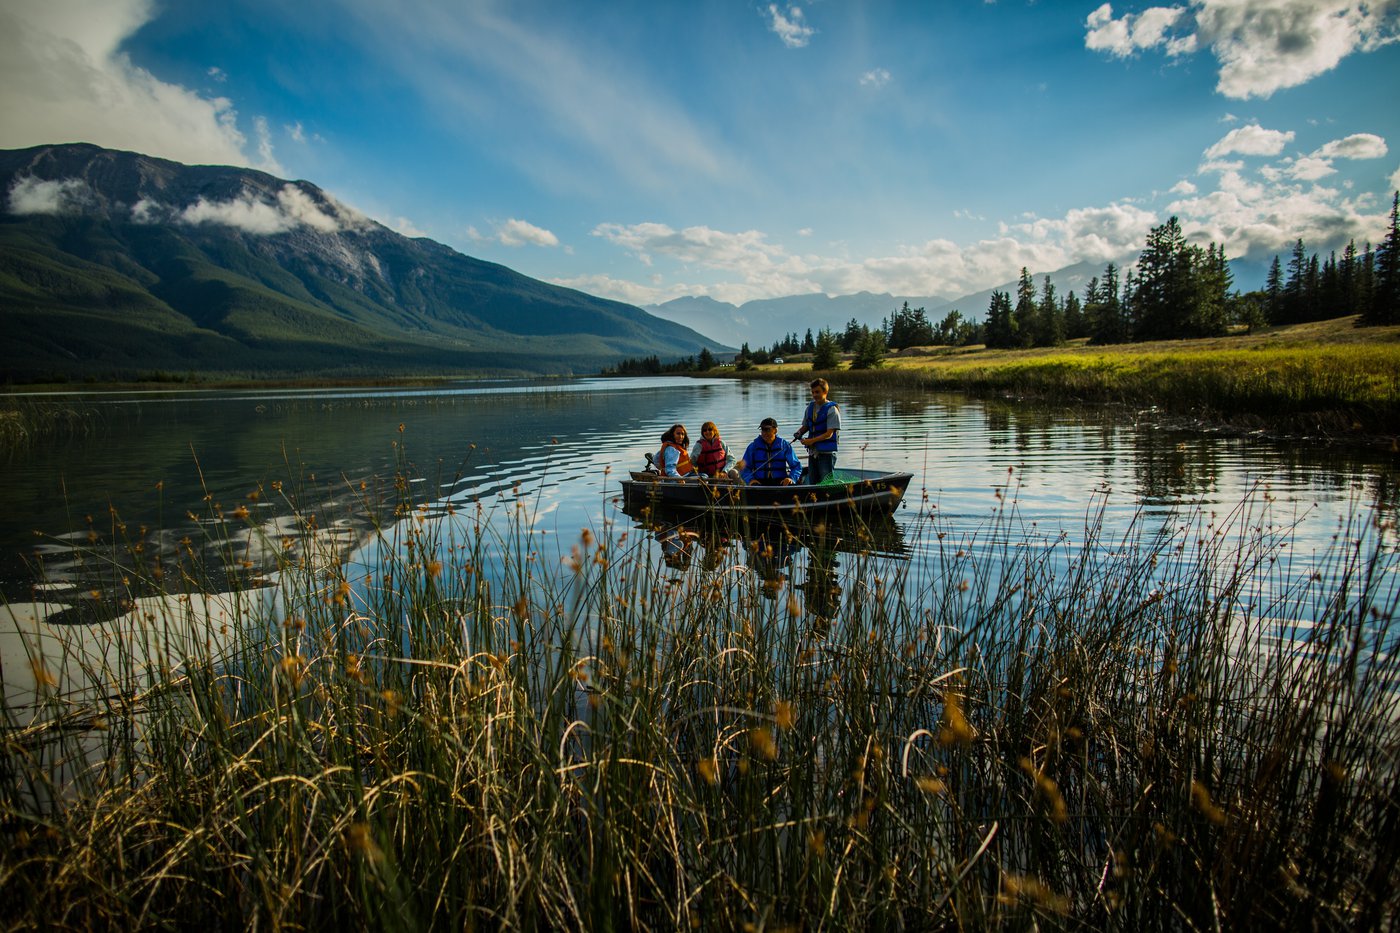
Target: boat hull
870, 491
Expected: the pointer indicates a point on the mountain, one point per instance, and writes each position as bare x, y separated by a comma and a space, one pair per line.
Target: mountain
766, 320
115, 264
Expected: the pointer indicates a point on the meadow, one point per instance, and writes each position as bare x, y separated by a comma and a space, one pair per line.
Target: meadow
1133, 734
1327, 379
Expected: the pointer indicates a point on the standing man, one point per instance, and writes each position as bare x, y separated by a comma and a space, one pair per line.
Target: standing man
821, 423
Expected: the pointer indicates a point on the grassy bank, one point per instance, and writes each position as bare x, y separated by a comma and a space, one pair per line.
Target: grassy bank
1328, 378
1108, 734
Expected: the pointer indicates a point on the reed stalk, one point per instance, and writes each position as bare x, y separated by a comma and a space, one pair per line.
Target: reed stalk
1164, 730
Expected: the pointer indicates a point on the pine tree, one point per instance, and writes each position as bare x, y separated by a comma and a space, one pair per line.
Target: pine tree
1347, 280
1166, 293
1295, 290
1104, 310
1075, 326
854, 331
1385, 296
870, 351
1273, 292
1000, 330
1023, 319
1050, 322
1209, 314
826, 351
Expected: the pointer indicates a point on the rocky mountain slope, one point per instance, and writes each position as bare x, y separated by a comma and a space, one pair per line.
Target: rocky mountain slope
114, 264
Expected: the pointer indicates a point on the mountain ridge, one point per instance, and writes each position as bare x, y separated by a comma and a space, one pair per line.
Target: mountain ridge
115, 262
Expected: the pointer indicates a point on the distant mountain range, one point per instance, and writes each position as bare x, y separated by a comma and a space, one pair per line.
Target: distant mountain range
762, 322
115, 264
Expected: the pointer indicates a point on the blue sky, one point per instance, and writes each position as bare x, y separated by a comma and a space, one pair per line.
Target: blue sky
648, 150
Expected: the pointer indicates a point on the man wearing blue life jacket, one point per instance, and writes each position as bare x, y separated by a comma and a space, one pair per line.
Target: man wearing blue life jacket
770, 460
821, 423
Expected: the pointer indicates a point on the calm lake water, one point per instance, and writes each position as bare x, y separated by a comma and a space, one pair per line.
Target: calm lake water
152, 459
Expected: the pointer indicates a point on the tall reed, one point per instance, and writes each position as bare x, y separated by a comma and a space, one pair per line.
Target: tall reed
1165, 730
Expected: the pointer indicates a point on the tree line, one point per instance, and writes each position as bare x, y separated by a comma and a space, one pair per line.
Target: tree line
1175, 290
1181, 290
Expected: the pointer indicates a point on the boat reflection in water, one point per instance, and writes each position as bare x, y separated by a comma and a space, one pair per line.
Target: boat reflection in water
772, 547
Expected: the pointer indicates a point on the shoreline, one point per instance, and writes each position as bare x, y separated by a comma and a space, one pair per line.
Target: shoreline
1326, 382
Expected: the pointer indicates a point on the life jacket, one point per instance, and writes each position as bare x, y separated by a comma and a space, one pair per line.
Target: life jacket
816, 423
683, 465
712, 456
774, 464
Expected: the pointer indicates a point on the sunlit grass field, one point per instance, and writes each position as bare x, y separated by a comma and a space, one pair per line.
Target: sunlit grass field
470, 732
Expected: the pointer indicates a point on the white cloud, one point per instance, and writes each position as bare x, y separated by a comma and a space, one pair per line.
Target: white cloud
875, 77
1260, 219
1123, 37
1355, 146
298, 208
147, 211
29, 195
246, 213
1309, 168
1250, 140
251, 214
64, 78
937, 266
1183, 187
520, 233
1266, 45
1395, 180
1262, 46
790, 25
407, 227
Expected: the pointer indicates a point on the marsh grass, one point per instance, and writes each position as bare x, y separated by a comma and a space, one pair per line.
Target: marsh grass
1168, 730
24, 421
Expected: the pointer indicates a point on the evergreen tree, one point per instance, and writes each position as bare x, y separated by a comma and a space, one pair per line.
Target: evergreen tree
1023, 318
1366, 281
1163, 302
1273, 292
1294, 300
1074, 318
1127, 304
808, 344
1209, 314
870, 350
908, 328
854, 331
1050, 322
1103, 311
707, 359
1385, 295
999, 330
1347, 284
826, 350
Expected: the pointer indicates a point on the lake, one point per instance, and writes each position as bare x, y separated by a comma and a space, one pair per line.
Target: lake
148, 467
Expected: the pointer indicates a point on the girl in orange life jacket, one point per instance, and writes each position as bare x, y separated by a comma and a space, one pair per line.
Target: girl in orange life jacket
672, 457
710, 455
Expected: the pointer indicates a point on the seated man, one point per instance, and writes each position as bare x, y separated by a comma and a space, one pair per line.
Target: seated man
769, 460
